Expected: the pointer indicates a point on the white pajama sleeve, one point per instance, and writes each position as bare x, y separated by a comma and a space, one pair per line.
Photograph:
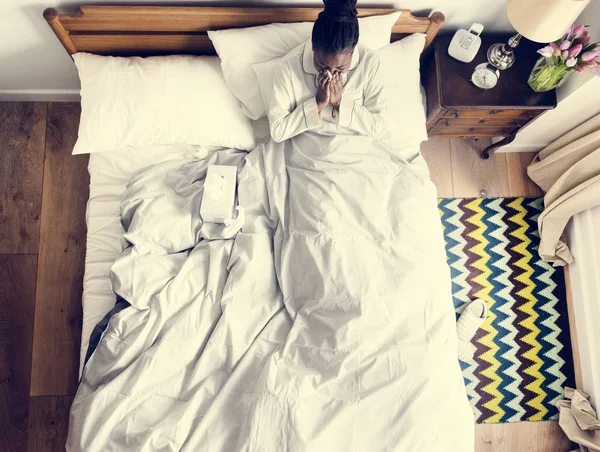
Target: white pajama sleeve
287, 119
370, 117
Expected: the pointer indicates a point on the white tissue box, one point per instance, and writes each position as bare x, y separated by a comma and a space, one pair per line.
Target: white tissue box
218, 198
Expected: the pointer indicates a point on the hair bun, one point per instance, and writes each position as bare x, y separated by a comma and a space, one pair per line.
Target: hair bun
340, 10
336, 29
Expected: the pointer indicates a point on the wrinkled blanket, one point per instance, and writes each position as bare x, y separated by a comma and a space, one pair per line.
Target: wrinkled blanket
326, 324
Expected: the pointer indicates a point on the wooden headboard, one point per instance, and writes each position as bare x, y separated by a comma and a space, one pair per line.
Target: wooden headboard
162, 30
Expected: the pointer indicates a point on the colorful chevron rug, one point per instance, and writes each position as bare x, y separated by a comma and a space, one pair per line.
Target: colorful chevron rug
523, 353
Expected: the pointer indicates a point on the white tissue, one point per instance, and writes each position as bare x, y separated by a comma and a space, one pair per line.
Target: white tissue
233, 226
327, 72
213, 187
218, 198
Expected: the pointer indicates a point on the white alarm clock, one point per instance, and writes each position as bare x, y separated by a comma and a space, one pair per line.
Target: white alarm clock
485, 76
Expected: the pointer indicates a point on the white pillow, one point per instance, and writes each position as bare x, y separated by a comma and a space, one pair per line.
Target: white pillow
399, 68
375, 31
265, 73
157, 101
240, 48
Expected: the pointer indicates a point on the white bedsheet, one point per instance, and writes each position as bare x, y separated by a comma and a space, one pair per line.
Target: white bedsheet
356, 352
109, 173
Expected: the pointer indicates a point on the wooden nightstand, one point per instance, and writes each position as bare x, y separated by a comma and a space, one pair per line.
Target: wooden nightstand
458, 109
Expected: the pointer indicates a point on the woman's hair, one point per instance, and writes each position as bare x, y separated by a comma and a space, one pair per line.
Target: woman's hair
336, 28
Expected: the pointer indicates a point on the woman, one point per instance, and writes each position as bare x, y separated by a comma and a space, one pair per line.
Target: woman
329, 85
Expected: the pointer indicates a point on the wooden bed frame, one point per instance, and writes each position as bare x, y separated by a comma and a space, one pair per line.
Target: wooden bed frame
163, 30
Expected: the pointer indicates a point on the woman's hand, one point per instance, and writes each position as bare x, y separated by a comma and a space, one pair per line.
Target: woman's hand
323, 93
335, 88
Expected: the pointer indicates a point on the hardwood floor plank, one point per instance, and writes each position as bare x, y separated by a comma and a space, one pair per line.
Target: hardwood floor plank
519, 183
522, 437
17, 292
22, 135
49, 423
58, 312
484, 437
474, 177
436, 152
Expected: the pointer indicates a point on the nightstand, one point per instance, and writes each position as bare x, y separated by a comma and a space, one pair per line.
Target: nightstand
458, 109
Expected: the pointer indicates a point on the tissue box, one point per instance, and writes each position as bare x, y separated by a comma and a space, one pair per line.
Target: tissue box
218, 198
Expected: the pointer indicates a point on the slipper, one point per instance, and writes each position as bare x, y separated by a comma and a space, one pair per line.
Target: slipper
471, 319
466, 351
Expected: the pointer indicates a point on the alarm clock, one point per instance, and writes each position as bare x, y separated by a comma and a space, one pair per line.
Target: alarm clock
485, 76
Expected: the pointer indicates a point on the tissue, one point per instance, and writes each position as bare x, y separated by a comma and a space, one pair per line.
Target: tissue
218, 198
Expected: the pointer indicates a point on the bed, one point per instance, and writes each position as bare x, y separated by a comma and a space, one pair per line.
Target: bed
148, 31
159, 30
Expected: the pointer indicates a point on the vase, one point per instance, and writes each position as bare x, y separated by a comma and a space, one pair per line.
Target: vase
548, 73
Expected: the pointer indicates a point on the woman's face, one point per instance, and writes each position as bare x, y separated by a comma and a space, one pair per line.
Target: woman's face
333, 62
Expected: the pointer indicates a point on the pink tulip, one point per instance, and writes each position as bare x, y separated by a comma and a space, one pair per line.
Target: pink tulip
570, 31
571, 62
596, 71
575, 50
564, 45
585, 38
578, 31
589, 55
545, 51
565, 54
584, 66
555, 49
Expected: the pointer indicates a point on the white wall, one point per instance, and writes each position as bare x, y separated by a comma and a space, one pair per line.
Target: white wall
582, 235
572, 110
33, 63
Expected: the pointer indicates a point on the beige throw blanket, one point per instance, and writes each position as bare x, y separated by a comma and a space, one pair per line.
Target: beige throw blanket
578, 420
568, 170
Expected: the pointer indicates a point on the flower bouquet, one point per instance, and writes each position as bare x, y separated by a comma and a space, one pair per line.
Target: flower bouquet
572, 53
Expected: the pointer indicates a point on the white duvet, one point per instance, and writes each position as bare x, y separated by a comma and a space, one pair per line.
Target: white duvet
326, 324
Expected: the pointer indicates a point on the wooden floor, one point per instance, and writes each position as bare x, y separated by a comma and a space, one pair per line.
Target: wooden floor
458, 172
43, 195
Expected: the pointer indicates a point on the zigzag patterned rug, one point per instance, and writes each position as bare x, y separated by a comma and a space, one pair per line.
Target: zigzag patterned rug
523, 353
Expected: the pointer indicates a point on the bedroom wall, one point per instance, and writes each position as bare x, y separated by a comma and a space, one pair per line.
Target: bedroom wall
582, 233
33, 65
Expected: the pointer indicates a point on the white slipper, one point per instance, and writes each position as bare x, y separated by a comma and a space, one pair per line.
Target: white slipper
471, 319
466, 350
